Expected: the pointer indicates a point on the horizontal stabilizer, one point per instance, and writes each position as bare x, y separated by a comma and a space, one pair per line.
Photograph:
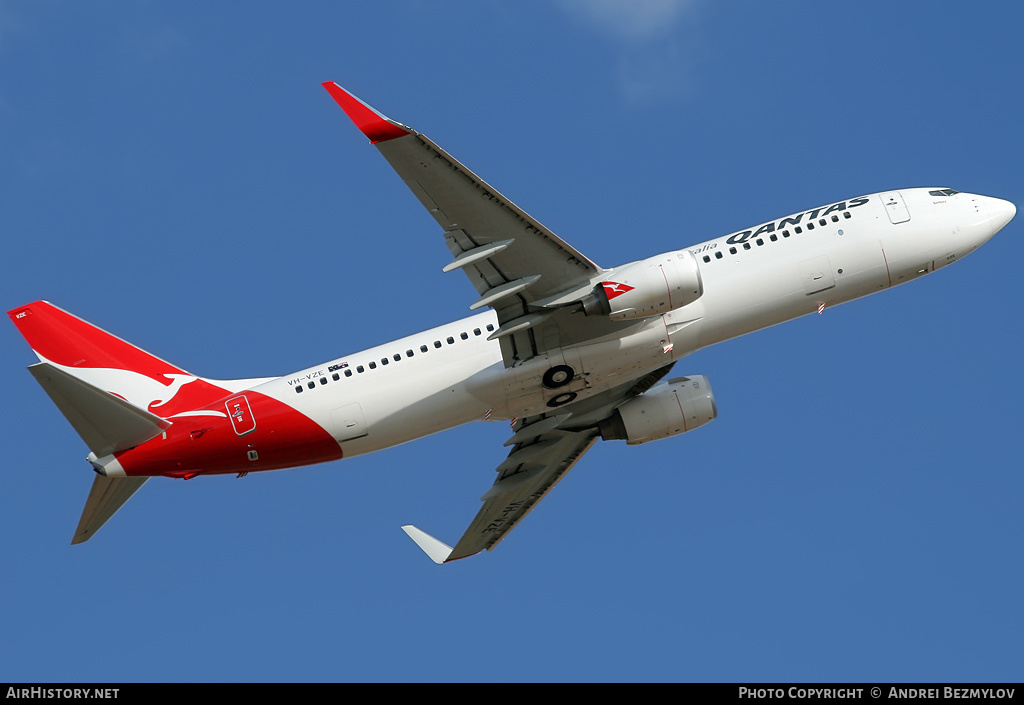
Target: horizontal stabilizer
436, 550
106, 497
106, 423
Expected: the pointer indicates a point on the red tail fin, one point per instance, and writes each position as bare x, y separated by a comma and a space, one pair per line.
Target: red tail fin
109, 363
57, 336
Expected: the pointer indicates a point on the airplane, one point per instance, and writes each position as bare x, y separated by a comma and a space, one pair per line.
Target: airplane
566, 351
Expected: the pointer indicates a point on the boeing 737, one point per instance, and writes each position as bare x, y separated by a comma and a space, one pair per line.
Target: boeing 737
565, 350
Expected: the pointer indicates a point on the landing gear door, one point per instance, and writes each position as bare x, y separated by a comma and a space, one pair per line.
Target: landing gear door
895, 208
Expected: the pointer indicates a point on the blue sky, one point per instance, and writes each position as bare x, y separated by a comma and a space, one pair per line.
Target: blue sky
177, 176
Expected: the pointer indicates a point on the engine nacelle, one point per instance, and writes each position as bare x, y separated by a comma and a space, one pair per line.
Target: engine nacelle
655, 285
668, 408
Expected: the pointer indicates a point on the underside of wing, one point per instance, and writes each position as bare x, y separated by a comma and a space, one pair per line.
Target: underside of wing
525, 478
498, 243
545, 448
519, 268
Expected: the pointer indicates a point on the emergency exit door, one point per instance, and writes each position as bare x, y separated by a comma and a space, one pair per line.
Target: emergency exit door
895, 207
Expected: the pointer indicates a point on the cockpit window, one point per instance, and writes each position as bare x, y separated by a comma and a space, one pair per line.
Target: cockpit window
943, 192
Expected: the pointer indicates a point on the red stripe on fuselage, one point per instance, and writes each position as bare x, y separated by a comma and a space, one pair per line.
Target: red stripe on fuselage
210, 445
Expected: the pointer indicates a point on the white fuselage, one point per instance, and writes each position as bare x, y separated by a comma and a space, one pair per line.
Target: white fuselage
752, 279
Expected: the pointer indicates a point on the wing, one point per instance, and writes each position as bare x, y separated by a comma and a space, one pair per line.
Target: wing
545, 448
531, 470
519, 268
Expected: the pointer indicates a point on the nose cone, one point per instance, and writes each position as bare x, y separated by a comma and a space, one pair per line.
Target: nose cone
999, 212
984, 217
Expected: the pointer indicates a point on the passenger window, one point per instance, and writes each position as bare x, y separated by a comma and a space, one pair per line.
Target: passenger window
359, 369
451, 340
760, 242
847, 214
298, 390
348, 373
384, 361
707, 258
311, 385
835, 219
718, 255
810, 226
732, 250
323, 380
373, 365
774, 237
437, 343
746, 245
335, 377
785, 233
476, 331
408, 353
398, 356
490, 327
423, 348
823, 222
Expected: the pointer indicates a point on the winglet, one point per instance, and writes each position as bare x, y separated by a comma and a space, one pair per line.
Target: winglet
372, 124
435, 550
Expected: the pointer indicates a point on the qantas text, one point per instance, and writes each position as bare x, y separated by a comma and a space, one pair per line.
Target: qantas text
794, 220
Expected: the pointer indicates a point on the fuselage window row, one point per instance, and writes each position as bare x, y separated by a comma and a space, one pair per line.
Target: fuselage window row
396, 357
775, 238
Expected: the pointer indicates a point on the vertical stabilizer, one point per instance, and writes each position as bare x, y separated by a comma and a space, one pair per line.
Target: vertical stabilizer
110, 364
115, 395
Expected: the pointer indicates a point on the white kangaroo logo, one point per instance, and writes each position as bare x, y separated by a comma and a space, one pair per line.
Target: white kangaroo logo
133, 387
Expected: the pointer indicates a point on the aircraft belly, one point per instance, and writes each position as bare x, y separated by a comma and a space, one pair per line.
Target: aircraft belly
531, 388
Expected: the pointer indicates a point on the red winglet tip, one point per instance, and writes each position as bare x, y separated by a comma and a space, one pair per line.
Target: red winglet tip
371, 123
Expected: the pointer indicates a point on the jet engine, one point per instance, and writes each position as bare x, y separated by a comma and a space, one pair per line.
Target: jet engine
668, 408
655, 285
